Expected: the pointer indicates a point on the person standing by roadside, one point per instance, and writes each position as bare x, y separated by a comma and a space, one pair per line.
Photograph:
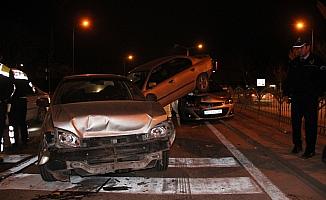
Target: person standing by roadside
304, 83
7, 89
18, 111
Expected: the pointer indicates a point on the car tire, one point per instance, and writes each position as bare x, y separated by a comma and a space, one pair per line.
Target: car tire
202, 82
162, 165
45, 173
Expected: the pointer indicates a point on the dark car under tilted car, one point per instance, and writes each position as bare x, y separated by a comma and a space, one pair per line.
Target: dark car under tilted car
216, 103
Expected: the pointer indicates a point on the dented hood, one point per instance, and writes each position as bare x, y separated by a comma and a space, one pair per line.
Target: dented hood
102, 119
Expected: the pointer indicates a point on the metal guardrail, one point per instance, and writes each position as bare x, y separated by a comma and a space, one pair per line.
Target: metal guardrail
270, 103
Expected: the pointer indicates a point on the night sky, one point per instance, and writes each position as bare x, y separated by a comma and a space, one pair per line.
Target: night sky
243, 36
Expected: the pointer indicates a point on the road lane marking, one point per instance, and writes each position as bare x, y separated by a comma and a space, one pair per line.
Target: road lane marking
35, 182
18, 168
203, 162
15, 158
136, 185
194, 186
173, 163
273, 191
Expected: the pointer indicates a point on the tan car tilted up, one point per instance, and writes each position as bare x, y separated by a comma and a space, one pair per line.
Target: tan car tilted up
170, 78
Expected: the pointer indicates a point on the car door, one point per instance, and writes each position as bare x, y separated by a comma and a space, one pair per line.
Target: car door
167, 82
185, 76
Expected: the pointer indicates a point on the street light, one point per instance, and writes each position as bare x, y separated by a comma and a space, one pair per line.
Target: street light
199, 46
300, 26
83, 23
129, 58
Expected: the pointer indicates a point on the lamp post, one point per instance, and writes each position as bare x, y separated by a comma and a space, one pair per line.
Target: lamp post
129, 58
84, 23
199, 46
300, 26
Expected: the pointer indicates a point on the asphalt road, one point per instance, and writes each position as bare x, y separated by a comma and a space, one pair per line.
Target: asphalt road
241, 158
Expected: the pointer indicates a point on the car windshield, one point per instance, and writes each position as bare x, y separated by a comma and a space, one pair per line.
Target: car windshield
96, 89
138, 78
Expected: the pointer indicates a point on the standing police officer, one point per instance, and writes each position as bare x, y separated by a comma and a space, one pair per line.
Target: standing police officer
305, 82
18, 111
7, 89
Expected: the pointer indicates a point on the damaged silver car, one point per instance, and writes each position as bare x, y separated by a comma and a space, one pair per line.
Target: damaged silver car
100, 124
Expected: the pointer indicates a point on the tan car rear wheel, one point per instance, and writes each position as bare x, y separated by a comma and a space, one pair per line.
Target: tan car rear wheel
202, 82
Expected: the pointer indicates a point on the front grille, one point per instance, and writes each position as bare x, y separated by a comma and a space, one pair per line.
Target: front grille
110, 151
210, 105
108, 141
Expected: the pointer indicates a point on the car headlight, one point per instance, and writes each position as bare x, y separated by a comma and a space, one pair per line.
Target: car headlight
160, 130
229, 101
67, 139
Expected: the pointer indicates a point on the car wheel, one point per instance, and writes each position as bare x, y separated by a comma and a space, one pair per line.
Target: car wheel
45, 173
162, 165
202, 82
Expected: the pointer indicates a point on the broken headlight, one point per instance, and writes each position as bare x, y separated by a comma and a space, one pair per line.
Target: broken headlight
67, 139
160, 130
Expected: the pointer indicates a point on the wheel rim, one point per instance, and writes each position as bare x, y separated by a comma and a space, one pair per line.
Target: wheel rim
202, 82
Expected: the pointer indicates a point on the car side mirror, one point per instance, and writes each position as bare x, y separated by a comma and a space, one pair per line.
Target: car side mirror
43, 102
151, 84
151, 97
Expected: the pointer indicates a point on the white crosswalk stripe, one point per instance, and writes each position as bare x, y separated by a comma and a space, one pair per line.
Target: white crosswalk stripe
203, 162
136, 185
142, 185
19, 167
15, 158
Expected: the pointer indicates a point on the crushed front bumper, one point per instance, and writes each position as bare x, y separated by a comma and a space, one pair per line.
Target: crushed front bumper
107, 158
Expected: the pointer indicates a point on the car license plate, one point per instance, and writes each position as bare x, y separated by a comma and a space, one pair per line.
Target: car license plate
212, 112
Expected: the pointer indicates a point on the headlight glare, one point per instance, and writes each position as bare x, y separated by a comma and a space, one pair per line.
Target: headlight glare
160, 130
67, 139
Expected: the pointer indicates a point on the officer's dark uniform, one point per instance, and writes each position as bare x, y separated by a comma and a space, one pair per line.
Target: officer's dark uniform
18, 111
304, 84
6, 90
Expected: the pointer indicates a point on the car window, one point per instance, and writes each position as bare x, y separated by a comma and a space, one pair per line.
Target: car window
158, 75
177, 65
136, 92
168, 69
138, 78
95, 89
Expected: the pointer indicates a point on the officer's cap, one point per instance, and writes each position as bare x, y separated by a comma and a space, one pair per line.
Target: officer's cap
300, 42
